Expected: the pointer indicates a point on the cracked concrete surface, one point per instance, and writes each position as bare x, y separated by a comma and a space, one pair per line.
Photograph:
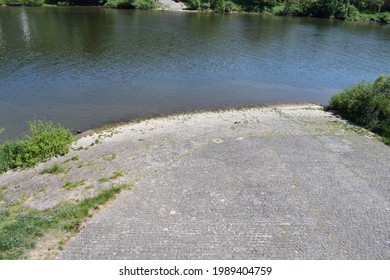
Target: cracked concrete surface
280, 182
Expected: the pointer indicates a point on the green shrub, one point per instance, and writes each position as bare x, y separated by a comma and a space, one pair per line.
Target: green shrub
219, 6
14, 2
119, 4
10, 154
231, 6
366, 104
144, 4
352, 13
131, 4
34, 2
223, 6
22, 2
384, 17
45, 140
193, 4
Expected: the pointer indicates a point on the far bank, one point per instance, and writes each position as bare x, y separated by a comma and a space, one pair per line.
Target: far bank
350, 10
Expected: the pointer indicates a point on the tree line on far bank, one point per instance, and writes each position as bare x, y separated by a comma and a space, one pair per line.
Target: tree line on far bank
364, 10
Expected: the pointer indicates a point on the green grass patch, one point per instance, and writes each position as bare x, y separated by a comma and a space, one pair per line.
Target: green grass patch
103, 180
71, 185
44, 141
89, 163
55, 169
116, 174
75, 158
367, 105
21, 226
3, 191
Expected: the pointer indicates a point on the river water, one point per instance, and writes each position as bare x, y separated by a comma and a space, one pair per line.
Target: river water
86, 66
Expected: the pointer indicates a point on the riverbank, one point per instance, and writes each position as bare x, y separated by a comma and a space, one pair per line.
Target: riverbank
199, 172
309, 8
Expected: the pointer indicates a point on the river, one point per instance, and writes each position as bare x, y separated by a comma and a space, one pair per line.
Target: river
87, 66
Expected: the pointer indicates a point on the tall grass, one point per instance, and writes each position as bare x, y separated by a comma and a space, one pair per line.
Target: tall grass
44, 141
367, 105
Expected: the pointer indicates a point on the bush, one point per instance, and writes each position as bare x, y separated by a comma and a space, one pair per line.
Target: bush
10, 154
231, 6
193, 4
45, 140
14, 2
119, 4
144, 4
34, 2
131, 4
366, 104
23, 2
352, 13
219, 6
384, 17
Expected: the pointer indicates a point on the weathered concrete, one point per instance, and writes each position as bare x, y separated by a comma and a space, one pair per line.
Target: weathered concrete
286, 182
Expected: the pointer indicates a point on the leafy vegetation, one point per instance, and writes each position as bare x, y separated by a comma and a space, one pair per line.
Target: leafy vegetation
363, 10
24, 2
367, 105
55, 169
21, 227
221, 6
45, 141
132, 4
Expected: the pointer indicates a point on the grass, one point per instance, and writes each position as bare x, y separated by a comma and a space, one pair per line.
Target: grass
89, 163
44, 141
116, 174
21, 226
55, 169
71, 185
3, 191
367, 105
75, 158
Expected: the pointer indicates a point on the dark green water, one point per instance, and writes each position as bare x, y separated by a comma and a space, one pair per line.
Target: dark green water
84, 67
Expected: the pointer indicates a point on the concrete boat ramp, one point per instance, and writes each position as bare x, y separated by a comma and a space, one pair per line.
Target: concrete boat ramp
277, 182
